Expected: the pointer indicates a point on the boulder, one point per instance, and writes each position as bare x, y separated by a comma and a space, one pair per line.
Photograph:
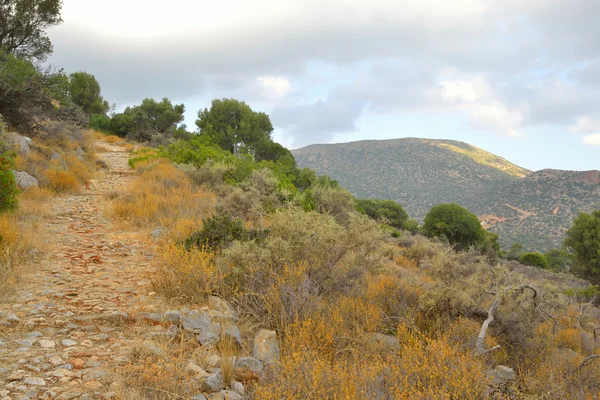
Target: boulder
21, 144
196, 321
501, 375
266, 347
24, 180
217, 303
210, 335
214, 382
248, 369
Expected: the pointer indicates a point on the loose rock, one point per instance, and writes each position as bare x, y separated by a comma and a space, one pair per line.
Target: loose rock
266, 347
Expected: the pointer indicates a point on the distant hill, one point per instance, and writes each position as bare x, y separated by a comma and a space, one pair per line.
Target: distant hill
535, 208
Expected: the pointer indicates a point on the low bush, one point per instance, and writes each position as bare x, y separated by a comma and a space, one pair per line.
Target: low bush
220, 231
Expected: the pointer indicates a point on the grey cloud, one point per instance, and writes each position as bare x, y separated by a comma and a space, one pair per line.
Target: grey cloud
505, 43
319, 121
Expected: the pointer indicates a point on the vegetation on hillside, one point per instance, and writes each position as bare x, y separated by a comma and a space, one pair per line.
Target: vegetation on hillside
362, 307
534, 209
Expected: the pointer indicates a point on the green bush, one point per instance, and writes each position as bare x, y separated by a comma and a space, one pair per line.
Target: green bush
583, 239
8, 184
387, 210
534, 260
461, 227
220, 231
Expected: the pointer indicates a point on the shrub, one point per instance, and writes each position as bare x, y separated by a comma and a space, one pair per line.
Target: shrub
388, 210
61, 181
534, 260
457, 224
220, 231
583, 239
8, 184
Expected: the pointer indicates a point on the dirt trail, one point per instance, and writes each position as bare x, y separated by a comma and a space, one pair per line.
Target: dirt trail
70, 323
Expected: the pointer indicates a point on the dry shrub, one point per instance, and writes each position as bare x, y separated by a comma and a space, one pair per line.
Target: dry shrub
35, 201
62, 181
129, 147
395, 297
16, 240
188, 275
112, 139
159, 373
423, 368
162, 195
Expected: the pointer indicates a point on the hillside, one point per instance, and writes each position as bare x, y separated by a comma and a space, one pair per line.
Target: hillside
532, 208
538, 209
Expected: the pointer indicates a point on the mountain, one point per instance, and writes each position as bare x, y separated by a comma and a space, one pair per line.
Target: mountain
534, 208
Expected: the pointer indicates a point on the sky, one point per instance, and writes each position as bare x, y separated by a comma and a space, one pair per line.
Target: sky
520, 79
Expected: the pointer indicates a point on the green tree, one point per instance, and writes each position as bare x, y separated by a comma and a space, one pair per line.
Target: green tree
148, 119
23, 94
389, 210
235, 127
515, 251
461, 227
558, 259
490, 247
534, 259
583, 240
23, 24
85, 92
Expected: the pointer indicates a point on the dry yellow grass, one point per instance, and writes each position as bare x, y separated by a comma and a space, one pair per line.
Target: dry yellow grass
16, 241
112, 139
62, 181
162, 195
35, 201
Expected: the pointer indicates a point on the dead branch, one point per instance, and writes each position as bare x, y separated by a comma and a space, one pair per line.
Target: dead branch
588, 360
479, 345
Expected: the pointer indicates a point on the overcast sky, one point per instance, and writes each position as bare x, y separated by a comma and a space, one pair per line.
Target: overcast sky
520, 78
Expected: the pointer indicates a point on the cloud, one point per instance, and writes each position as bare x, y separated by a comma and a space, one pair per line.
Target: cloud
585, 125
593, 139
275, 85
506, 65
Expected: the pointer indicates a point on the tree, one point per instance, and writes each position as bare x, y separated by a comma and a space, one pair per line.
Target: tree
23, 24
23, 94
85, 92
389, 210
558, 259
461, 227
148, 119
234, 126
583, 241
515, 251
534, 259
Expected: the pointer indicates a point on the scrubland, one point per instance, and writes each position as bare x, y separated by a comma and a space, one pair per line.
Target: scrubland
359, 313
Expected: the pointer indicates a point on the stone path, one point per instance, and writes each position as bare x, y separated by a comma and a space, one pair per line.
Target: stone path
68, 327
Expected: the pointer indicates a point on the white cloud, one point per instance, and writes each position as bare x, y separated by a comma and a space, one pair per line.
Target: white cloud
592, 139
275, 85
475, 96
585, 125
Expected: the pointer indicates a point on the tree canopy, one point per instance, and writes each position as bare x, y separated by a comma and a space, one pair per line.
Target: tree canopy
235, 127
534, 259
23, 94
23, 24
461, 227
583, 240
389, 210
85, 92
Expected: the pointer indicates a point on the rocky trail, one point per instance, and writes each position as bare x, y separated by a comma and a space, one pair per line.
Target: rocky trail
69, 326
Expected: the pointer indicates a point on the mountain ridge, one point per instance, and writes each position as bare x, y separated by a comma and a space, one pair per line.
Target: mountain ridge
532, 207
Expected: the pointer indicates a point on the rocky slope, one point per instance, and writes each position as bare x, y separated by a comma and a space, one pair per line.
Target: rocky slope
533, 208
